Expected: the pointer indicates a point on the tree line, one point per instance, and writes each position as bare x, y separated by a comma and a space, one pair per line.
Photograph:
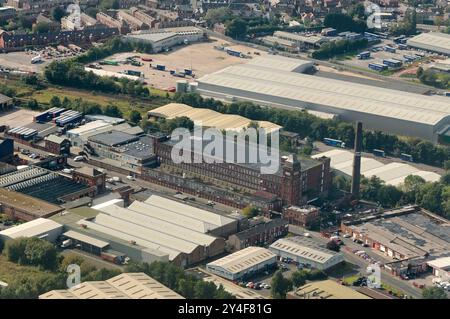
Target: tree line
44, 269
331, 49
185, 284
433, 196
309, 126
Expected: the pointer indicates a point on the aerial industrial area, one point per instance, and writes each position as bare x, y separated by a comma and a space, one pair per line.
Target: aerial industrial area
347, 101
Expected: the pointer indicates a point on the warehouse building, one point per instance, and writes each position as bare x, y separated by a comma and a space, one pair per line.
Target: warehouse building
208, 118
243, 263
325, 289
403, 234
45, 185
302, 40
120, 150
23, 207
306, 251
193, 218
392, 173
381, 109
123, 286
95, 242
164, 39
41, 228
435, 42
146, 233
441, 268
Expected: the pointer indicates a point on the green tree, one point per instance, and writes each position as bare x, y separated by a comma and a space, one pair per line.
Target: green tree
250, 211
186, 288
32, 104
55, 101
434, 293
57, 13
218, 15
135, 117
32, 251
113, 111
41, 27
236, 28
205, 290
389, 195
299, 278
280, 285
92, 11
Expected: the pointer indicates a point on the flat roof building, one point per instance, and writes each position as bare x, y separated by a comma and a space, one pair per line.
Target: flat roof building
306, 251
23, 207
243, 263
123, 286
436, 42
42, 228
378, 108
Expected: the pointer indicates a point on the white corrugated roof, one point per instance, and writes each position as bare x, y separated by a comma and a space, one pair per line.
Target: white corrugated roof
188, 210
177, 231
90, 126
304, 248
243, 259
441, 263
329, 92
129, 235
172, 217
392, 173
438, 40
278, 62
32, 228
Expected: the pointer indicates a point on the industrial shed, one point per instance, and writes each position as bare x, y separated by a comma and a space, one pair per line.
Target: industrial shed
392, 173
243, 263
208, 118
306, 251
380, 109
123, 286
40, 227
210, 223
183, 240
432, 41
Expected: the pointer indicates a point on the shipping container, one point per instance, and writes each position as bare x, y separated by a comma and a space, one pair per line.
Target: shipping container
188, 71
160, 67
379, 153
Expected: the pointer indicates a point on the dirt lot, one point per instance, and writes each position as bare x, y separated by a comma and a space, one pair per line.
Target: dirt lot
18, 117
202, 58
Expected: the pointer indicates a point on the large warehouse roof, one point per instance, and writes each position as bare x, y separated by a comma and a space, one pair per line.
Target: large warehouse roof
243, 259
432, 41
392, 173
209, 118
281, 63
260, 83
123, 286
305, 248
138, 216
30, 229
189, 211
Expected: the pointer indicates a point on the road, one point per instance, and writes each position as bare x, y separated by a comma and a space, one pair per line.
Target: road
93, 260
386, 277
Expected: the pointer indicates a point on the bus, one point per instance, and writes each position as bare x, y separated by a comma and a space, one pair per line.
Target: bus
333, 142
379, 153
406, 157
